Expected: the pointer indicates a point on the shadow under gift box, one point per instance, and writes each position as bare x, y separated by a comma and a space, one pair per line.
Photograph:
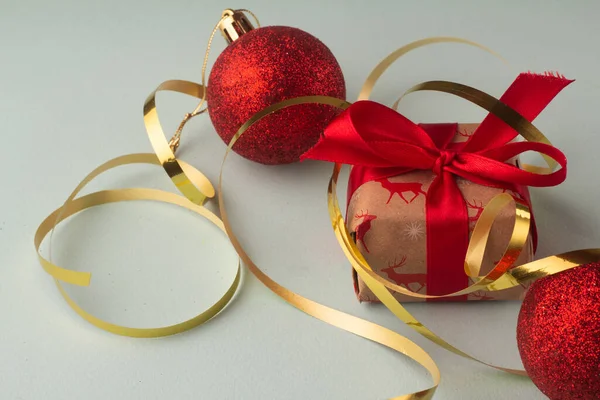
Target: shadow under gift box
386, 218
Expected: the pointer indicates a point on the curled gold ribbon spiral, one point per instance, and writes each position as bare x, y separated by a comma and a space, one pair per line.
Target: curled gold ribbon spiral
329, 315
197, 189
499, 278
373, 281
75, 204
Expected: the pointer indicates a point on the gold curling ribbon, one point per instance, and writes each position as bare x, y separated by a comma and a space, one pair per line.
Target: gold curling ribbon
387, 62
501, 110
198, 188
498, 279
373, 281
193, 186
329, 315
495, 279
74, 205
483, 99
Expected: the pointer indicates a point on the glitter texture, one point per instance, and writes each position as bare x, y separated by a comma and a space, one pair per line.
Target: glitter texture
261, 68
559, 334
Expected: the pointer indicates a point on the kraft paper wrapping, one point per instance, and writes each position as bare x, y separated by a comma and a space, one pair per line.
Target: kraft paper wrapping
388, 219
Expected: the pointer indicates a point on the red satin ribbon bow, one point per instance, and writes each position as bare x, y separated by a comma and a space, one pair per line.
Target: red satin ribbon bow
381, 143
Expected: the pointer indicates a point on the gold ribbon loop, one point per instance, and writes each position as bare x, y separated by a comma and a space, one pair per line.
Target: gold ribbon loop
349, 323
74, 205
481, 233
189, 181
512, 277
329, 315
489, 103
378, 285
384, 64
197, 189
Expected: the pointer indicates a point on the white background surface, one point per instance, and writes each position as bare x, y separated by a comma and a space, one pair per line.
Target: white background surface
73, 78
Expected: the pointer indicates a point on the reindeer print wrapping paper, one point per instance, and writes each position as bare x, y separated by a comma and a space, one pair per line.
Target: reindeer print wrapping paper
388, 219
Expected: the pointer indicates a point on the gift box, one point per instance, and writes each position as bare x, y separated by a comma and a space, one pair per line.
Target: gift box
415, 192
387, 219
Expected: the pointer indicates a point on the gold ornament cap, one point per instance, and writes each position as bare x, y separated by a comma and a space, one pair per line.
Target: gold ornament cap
234, 24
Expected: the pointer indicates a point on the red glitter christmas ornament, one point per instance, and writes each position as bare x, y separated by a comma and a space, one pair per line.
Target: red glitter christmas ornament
264, 66
558, 334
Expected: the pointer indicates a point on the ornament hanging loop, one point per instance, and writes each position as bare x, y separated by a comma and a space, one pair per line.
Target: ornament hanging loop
233, 24
175, 141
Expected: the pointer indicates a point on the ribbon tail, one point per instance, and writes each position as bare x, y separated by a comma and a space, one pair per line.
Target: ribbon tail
447, 238
529, 94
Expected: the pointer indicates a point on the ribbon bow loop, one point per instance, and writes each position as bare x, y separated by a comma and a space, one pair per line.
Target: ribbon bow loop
373, 135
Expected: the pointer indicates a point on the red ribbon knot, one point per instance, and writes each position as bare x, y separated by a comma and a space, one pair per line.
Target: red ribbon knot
445, 159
